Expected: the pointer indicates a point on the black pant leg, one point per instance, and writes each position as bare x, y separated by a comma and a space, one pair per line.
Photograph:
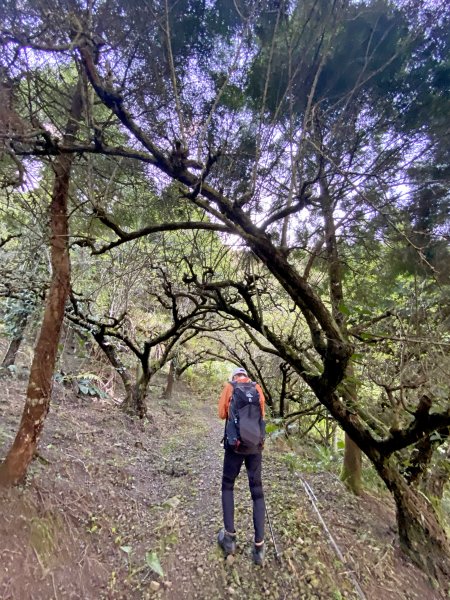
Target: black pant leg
253, 463
232, 464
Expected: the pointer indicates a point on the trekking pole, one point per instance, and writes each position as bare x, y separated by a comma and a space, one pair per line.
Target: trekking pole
277, 555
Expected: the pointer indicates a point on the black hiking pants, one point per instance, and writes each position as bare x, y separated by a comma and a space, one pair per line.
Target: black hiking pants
232, 464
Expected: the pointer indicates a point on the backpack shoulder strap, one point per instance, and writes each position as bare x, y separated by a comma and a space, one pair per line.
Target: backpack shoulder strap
230, 404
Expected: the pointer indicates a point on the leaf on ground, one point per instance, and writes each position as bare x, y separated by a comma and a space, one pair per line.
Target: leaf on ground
152, 560
172, 502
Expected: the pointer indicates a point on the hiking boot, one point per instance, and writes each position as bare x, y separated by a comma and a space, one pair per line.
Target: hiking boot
258, 554
227, 542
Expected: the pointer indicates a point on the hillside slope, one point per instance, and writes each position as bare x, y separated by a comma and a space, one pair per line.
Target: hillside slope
110, 500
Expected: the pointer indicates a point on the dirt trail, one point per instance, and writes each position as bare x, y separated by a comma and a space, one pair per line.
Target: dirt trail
197, 569
111, 500
309, 567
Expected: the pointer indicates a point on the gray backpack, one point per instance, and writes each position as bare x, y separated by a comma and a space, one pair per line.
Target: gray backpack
245, 427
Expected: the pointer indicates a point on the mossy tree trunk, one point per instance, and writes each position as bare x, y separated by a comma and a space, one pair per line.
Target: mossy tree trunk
421, 534
351, 466
15, 465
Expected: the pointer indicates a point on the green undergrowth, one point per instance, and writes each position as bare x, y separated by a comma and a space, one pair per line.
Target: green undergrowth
308, 456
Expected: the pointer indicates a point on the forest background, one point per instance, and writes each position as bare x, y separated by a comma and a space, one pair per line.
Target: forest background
263, 183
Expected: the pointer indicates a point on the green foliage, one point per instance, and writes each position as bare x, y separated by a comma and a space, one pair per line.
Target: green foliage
87, 388
83, 383
373, 38
273, 427
15, 312
207, 377
335, 46
292, 461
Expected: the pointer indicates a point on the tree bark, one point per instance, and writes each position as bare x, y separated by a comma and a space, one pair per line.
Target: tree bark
421, 534
434, 482
419, 471
111, 355
167, 393
134, 403
10, 356
282, 402
15, 465
351, 467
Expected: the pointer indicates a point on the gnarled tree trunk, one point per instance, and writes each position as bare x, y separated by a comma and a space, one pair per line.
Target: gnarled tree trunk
422, 536
327, 336
135, 392
14, 468
134, 403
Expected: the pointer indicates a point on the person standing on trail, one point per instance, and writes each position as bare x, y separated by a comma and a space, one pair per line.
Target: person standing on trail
242, 404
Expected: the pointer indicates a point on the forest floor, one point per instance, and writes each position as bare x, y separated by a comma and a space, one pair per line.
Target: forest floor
110, 501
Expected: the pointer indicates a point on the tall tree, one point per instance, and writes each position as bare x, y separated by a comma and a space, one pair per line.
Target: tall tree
37, 403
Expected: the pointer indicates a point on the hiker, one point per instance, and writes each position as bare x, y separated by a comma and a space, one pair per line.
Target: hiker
242, 404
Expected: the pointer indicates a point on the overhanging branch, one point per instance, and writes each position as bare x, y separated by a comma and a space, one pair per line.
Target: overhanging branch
125, 236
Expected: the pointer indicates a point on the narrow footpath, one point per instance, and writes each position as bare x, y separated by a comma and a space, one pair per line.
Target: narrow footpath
195, 566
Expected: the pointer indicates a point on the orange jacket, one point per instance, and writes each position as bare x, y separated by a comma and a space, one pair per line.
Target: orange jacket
225, 397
